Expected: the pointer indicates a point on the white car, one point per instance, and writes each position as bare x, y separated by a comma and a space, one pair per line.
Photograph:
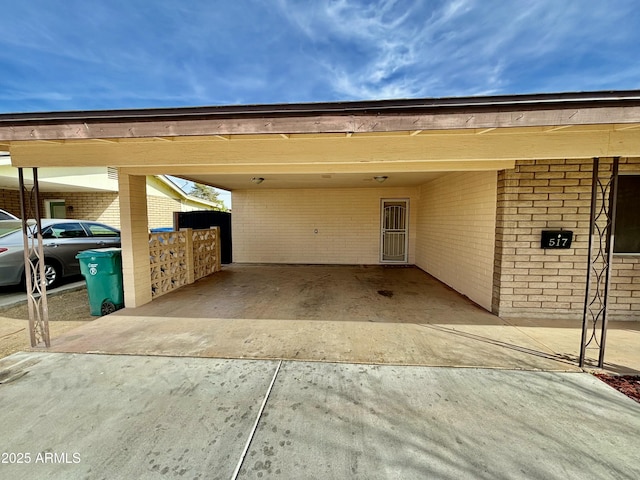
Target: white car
4, 215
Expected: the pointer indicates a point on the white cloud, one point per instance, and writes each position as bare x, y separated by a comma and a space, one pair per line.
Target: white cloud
434, 48
119, 54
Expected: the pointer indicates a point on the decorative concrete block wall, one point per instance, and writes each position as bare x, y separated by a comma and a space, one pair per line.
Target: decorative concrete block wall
533, 282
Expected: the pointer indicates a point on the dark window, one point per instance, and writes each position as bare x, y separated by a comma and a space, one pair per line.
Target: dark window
48, 233
68, 230
627, 231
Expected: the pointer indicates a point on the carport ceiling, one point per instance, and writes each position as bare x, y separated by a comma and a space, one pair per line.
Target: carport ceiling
329, 180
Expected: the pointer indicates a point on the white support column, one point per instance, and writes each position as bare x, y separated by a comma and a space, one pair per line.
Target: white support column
135, 239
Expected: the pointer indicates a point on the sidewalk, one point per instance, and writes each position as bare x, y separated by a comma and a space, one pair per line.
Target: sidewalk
117, 416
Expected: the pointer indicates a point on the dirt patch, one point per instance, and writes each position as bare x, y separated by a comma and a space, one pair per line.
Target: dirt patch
627, 384
67, 311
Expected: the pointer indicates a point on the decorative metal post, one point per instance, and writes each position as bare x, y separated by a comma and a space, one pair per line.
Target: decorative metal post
36, 283
601, 226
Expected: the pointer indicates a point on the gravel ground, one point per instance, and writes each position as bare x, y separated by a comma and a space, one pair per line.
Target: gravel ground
627, 384
67, 311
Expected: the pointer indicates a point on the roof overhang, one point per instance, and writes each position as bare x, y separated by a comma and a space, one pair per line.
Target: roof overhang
330, 144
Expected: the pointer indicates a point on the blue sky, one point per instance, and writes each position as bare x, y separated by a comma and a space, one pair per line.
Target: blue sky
79, 55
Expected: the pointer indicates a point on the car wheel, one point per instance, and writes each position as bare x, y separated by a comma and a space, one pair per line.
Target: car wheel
51, 274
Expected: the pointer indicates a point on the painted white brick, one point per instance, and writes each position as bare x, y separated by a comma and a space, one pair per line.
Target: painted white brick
278, 226
456, 231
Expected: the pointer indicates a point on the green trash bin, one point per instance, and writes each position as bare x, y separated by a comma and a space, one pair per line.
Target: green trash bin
102, 270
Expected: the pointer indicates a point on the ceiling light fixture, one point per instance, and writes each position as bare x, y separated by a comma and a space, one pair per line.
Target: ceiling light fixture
380, 178
257, 180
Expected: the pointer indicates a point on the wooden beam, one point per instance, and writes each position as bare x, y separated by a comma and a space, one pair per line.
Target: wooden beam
330, 123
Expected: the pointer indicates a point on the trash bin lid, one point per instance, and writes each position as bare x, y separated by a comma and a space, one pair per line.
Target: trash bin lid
100, 252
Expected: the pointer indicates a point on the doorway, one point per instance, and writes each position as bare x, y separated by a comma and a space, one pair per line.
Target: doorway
394, 234
55, 209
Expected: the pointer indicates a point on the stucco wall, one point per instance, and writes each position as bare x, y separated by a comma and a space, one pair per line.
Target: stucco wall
535, 282
278, 226
456, 228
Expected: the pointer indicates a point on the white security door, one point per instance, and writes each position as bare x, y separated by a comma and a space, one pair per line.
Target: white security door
394, 231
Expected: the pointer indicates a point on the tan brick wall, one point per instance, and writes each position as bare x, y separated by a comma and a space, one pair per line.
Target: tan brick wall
99, 206
533, 282
277, 226
160, 211
456, 227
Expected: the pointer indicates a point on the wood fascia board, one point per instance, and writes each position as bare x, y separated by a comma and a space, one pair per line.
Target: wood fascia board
361, 123
207, 154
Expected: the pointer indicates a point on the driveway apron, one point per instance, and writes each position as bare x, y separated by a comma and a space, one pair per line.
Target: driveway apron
106, 416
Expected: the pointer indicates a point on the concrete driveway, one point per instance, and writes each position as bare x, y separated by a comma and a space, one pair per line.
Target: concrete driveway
118, 416
350, 314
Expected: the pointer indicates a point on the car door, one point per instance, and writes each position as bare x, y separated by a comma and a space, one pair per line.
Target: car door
102, 235
63, 241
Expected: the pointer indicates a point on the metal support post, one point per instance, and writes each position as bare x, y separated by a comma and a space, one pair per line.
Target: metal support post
34, 262
599, 263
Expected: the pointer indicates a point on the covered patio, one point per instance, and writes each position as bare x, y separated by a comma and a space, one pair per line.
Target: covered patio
351, 314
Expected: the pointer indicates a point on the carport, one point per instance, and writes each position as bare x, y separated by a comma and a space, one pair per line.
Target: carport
310, 182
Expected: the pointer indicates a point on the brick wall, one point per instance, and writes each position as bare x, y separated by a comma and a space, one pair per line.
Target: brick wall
278, 226
456, 227
533, 282
99, 206
10, 201
160, 211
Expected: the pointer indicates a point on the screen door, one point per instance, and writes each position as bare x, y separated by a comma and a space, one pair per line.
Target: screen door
394, 231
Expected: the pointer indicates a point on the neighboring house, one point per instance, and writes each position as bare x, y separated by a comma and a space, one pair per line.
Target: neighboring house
461, 187
91, 193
